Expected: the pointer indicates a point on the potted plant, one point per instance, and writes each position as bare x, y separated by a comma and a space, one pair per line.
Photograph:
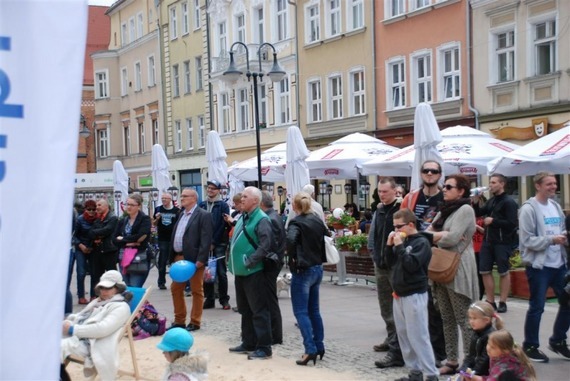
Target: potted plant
344, 221
354, 242
519, 281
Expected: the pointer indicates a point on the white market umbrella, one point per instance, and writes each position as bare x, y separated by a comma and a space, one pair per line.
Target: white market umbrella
216, 157
343, 158
550, 153
236, 186
296, 171
159, 168
120, 184
463, 150
272, 166
426, 137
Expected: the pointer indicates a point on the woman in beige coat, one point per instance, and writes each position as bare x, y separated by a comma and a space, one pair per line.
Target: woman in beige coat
453, 229
93, 333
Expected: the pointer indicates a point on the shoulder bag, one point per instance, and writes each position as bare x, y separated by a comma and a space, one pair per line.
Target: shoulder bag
332, 253
443, 265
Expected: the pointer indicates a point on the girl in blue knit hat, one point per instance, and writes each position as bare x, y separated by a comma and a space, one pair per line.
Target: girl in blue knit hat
183, 366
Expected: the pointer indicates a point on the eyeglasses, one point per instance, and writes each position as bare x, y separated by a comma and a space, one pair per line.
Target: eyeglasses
448, 187
434, 171
399, 226
184, 196
90, 209
132, 204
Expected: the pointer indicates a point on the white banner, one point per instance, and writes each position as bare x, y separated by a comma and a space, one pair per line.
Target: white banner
42, 47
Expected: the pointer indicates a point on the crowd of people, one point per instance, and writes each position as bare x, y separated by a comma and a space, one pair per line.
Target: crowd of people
422, 317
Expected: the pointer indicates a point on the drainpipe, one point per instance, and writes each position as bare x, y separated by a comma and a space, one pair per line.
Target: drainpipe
374, 88
210, 87
162, 93
469, 76
297, 100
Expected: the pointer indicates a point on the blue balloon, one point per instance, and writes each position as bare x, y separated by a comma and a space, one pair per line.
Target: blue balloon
182, 270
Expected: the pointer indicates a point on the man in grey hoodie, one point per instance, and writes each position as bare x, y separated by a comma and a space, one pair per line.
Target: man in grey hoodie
542, 239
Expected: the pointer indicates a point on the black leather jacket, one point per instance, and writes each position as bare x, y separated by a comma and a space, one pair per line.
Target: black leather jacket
305, 242
101, 233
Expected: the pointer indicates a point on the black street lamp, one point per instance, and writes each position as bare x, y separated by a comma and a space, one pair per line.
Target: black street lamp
348, 191
280, 191
276, 74
323, 191
83, 130
365, 190
174, 192
329, 192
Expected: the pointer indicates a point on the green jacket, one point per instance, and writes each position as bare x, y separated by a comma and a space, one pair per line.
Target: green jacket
240, 261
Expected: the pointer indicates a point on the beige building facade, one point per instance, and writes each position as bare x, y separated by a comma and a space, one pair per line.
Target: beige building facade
522, 64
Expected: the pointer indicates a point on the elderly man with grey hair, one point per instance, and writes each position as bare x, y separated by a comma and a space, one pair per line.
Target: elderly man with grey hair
315, 206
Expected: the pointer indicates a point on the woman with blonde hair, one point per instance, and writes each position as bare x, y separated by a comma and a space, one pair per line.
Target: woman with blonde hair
306, 251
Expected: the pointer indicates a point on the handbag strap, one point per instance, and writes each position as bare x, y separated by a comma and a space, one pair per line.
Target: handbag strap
249, 238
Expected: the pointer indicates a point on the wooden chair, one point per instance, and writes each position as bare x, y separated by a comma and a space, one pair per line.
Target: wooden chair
140, 296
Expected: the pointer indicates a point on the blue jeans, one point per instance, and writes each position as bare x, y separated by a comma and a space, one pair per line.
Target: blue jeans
135, 279
221, 277
305, 300
164, 254
76, 256
538, 282
68, 307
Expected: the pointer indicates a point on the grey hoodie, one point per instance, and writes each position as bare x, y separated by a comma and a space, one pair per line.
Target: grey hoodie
533, 241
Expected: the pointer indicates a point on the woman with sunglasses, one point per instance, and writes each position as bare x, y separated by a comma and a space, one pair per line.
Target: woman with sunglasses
453, 229
82, 243
133, 231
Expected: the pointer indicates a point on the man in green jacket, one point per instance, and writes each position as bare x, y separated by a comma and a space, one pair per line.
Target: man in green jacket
251, 244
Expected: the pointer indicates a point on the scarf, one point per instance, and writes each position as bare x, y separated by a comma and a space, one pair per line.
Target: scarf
447, 209
102, 216
89, 218
94, 307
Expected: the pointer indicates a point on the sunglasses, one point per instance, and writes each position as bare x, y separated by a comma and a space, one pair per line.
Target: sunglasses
448, 187
426, 171
90, 209
399, 226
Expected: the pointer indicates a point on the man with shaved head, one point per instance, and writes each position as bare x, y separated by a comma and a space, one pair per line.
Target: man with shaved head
104, 254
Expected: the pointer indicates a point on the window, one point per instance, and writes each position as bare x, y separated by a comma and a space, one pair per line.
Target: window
127, 140
355, 14
202, 132
357, 93
132, 29
186, 77
225, 113
189, 134
312, 33
175, 81
335, 92
240, 28
422, 79
124, 34
197, 21
185, 19
451, 73
142, 142
395, 8
505, 56
155, 132
138, 76
124, 82
544, 47
263, 104
397, 81
284, 115
417, 4
333, 19
243, 110
103, 142
315, 102
140, 25
177, 136
198, 63
151, 72
101, 84
222, 38
173, 23
258, 25
282, 22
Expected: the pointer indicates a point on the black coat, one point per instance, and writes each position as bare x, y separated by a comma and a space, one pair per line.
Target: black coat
478, 359
306, 242
140, 227
101, 233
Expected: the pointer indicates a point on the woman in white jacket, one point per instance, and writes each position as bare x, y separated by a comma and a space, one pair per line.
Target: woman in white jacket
93, 333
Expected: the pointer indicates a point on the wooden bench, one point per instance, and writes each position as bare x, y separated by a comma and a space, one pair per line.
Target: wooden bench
359, 266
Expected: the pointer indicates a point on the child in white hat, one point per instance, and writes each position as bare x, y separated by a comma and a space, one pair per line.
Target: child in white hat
183, 366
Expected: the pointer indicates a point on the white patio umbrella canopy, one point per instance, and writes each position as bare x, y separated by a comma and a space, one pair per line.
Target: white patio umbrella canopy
272, 166
120, 183
426, 137
343, 158
159, 168
216, 157
236, 186
550, 153
463, 149
296, 171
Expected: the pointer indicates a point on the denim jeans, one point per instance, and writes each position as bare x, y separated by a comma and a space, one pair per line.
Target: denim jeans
76, 256
221, 277
305, 300
538, 282
164, 254
68, 308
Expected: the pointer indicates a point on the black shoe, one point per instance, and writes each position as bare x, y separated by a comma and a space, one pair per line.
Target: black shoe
162, 287
561, 348
277, 342
534, 354
209, 304
306, 358
389, 361
241, 349
192, 327
502, 307
493, 304
414, 375
259, 355
176, 325
384, 347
